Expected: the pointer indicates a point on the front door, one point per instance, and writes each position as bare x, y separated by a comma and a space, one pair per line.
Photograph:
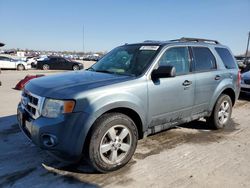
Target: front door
171, 99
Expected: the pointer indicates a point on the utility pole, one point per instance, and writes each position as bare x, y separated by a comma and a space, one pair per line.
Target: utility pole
247, 47
83, 39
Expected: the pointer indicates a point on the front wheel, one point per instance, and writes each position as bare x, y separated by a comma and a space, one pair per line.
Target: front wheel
222, 112
113, 142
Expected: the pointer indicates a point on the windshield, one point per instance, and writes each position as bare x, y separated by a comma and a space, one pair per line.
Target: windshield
126, 60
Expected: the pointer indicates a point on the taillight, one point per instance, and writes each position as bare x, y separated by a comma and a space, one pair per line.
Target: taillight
239, 78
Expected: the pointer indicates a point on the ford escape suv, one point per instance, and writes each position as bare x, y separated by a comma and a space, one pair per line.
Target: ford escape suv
133, 91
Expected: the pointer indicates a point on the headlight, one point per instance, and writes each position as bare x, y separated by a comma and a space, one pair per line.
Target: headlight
53, 108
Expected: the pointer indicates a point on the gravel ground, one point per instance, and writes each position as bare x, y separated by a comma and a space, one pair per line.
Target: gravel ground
187, 156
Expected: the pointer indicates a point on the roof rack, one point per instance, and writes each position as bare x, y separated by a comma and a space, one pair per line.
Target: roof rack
151, 41
184, 39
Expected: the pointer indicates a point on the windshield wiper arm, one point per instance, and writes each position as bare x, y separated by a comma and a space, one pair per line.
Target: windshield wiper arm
105, 71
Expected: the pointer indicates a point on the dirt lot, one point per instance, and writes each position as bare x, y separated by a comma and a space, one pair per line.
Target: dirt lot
186, 156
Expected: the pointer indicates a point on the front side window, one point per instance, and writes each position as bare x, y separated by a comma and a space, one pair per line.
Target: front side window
126, 60
177, 57
204, 59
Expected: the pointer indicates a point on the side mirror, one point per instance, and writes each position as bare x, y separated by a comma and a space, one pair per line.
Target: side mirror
163, 72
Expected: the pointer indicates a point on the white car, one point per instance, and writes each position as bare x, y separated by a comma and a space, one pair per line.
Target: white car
9, 63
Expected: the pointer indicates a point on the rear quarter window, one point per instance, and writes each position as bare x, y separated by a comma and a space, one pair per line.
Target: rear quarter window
226, 58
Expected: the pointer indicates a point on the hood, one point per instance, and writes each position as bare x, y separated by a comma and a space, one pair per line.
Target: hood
69, 84
245, 75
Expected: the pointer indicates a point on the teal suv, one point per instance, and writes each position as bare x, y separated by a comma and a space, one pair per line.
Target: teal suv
133, 91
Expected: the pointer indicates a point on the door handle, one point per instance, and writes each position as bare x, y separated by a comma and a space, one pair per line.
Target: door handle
187, 83
217, 77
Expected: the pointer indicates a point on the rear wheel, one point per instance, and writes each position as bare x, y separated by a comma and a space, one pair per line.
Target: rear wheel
45, 67
113, 142
222, 112
20, 67
75, 67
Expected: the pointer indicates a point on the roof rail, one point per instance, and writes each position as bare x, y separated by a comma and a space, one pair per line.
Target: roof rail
185, 39
151, 41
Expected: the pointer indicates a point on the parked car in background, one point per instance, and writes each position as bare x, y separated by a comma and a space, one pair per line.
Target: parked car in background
245, 79
10, 63
32, 61
58, 63
242, 61
20, 85
92, 57
133, 91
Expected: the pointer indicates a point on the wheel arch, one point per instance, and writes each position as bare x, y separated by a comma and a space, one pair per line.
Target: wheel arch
20, 64
131, 113
226, 90
230, 92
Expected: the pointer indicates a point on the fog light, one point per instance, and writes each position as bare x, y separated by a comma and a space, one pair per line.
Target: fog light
49, 140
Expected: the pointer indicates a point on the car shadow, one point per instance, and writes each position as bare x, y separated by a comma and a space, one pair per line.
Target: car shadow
244, 97
21, 160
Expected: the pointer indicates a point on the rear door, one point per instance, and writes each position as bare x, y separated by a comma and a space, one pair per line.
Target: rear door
207, 78
171, 99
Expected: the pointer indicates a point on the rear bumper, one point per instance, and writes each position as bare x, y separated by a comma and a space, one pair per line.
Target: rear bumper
245, 88
66, 133
27, 66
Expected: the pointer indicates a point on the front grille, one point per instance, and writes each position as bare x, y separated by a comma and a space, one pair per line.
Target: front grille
247, 82
32, 104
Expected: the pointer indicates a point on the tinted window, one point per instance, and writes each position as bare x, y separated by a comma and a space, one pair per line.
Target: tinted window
204, 59
226, 57
177, 57
4, 58
61, 60
53, 59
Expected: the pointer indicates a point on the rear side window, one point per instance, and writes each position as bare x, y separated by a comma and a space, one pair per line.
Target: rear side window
226, 57
204, 59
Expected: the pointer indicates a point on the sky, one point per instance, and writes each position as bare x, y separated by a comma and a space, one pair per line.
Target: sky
58, 25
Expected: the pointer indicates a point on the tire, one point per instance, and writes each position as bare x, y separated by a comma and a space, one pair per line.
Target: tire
20, 67
45, 67
75, 67
222, 112
110, 150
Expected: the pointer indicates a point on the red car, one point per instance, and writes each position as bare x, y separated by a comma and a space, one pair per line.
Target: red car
20, 85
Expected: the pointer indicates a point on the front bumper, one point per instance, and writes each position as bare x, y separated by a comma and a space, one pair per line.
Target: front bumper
66, 132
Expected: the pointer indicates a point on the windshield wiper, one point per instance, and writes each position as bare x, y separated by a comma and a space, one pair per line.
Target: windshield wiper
105, 71
109, 72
